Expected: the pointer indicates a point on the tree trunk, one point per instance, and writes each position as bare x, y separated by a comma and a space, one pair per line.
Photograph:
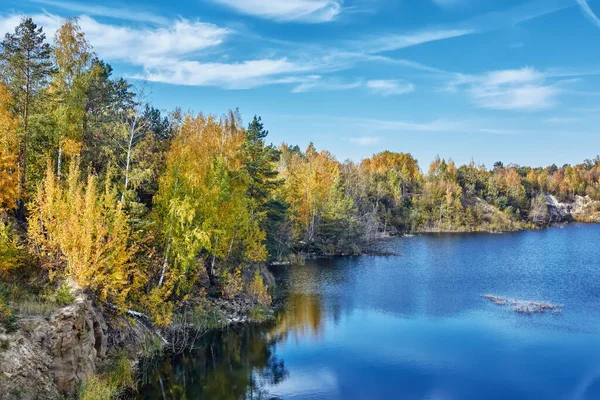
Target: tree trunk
59, 160
129, 147
210, 271
164, 267
23, 154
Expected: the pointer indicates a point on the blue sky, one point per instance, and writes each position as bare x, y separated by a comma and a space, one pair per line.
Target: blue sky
517, 81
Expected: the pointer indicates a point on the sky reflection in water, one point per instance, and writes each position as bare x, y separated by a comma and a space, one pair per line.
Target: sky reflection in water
415, 326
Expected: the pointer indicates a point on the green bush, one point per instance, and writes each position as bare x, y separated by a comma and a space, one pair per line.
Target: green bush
7, 318
63, 295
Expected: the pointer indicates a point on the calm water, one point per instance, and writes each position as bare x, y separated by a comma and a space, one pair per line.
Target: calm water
415, 326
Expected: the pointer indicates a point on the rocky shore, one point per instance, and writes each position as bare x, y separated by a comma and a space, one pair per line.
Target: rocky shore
50, 356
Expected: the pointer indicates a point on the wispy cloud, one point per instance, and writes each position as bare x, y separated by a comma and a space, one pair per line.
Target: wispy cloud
243, 75
103, 11
380, 128
561, 120
287, 10
587, 11
488, 22
315, 83
148, 46
139, 46
438, 125
523, 89
167, 54
49, 23
391, 42
365, 141
390, 87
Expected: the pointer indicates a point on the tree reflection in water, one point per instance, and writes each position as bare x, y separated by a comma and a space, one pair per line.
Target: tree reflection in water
237, 363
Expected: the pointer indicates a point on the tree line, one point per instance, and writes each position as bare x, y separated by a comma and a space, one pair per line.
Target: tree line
147, 208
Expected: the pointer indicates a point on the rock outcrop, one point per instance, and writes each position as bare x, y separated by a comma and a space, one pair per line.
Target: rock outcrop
582, 209
50, 356
79, 338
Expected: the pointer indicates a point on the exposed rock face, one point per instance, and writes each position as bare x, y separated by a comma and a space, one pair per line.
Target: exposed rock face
51, 356
582, 209
557, 211
25, 362
79, 338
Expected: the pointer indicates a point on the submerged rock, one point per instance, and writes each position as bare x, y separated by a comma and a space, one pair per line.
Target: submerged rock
524, 306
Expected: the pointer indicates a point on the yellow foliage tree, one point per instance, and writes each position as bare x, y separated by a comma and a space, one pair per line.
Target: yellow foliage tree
9, 149
83, 233
11, 251
309, 179
202, 206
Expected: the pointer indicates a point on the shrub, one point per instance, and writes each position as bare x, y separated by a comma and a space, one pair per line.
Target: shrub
7, 318
11, 251
97, 388
232, 284
258, 290
63, 295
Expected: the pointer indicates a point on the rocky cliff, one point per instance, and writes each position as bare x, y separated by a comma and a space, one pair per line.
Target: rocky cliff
581, 209
51, 356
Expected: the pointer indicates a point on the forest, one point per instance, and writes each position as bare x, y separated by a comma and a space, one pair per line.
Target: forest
147, 208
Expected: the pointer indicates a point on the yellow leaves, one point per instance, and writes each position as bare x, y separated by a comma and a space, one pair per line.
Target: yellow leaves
258, 290
201, 206
11, 251
9, 143
233, 284
83, 232
308, 182
71, 147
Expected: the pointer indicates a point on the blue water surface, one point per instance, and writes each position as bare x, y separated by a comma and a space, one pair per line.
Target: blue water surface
415, 326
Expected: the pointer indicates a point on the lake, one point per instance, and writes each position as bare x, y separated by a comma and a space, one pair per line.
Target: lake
415, 326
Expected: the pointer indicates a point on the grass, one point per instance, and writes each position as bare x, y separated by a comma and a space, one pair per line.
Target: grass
260, 313
36, 307
41, 302
110, 385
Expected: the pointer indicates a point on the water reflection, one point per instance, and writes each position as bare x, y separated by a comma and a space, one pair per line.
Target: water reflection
302, 319
414, 327
237, 363
233, 364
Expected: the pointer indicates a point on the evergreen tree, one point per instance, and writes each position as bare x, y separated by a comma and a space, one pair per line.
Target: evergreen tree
260, 163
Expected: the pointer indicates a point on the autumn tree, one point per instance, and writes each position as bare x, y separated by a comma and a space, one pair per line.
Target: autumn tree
81, 231
72, 56
26, 65
9, 174
202, 205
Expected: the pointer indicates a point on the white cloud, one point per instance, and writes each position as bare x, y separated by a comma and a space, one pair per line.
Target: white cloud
523, 89
409, 126
166, 54
242, 75
390, 87
585, 7
365, 141
49, 23
145, 45
315, 83
393, 42
288, 10
136, 45
117, 13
